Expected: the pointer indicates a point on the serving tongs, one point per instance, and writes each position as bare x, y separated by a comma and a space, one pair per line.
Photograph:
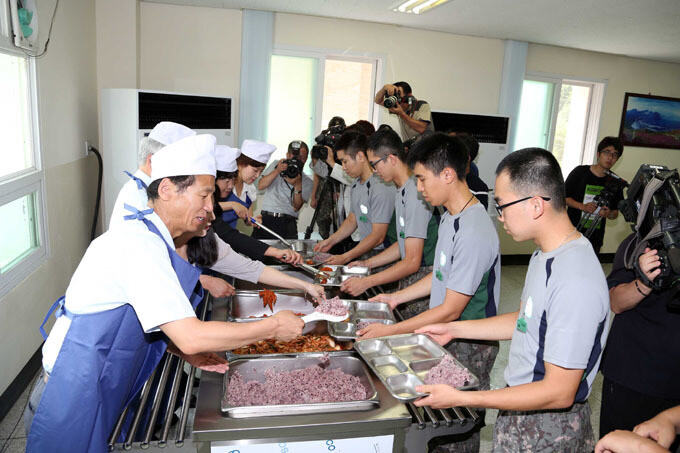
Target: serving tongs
304, 266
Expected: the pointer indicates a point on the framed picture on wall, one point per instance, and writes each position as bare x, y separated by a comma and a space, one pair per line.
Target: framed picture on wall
650, 121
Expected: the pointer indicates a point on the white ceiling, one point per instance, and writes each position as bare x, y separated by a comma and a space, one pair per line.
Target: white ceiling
638, 28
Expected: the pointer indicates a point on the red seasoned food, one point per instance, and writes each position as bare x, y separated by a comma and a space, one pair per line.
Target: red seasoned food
268, 299
332, 307
267, 316
313, 384
303, 343
448, 372
310, 262
326, 269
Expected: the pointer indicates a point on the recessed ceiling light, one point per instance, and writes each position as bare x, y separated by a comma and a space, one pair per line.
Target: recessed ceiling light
416, 6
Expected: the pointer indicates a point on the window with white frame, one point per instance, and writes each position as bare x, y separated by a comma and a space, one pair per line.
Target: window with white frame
562, 115
23, 239
308, 88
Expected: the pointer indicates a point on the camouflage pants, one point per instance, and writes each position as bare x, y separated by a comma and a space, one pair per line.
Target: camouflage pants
325, 208
567, 430
478, 357
414, 307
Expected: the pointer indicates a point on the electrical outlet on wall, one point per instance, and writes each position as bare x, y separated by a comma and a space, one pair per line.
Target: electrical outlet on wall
87, 148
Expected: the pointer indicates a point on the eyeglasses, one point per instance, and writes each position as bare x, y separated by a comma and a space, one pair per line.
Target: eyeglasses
499, 209
615, 155
374, 164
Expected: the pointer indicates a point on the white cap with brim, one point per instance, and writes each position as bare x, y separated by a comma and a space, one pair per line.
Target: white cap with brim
259, 151
167, 132
190, 156
225, 158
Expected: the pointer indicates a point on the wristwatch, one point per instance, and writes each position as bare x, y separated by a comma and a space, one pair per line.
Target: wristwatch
298, 191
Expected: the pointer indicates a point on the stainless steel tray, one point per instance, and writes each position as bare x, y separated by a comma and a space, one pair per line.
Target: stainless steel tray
252, 369
245, 304
402, 361
310, 328
339, 274
360, 310
304, 247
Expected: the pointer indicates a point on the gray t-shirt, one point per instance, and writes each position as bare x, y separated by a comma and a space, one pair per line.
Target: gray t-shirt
563, 317
372, 202
413, 214
277, 197
467, 260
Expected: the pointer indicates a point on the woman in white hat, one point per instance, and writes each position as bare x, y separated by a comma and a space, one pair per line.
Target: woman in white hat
250, 163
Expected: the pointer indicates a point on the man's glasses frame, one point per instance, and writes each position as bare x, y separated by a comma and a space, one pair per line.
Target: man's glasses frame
374, 164
499, 208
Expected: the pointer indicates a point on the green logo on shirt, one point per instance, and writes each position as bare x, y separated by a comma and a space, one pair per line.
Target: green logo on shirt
363, 218
522, 325
402, 235
439, 275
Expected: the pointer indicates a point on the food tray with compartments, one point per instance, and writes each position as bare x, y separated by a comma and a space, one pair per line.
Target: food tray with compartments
401, 362
253, 369
338, 274
360, 311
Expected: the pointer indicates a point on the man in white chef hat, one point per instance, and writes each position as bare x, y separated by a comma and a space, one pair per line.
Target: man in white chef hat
133, 192
130, 284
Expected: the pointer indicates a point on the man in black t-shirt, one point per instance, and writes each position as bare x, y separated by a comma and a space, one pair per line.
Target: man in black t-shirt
586, 182
641, 362
478, 188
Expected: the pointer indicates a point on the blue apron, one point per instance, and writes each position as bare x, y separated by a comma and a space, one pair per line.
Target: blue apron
230, 216
103, 363
141, 185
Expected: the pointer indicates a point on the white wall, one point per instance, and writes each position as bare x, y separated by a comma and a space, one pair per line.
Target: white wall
191, 50
68, 116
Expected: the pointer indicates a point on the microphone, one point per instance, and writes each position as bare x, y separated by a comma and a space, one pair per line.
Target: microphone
615, 176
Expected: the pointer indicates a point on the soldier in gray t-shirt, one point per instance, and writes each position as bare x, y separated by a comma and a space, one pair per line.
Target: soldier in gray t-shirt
560, 330
372, 202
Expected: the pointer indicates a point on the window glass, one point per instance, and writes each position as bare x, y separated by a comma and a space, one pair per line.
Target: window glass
18, 231
347, 91
533, 125
570, 129
292, 94
15, 119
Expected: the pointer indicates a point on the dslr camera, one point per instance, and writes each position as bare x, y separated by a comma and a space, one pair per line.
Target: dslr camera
652, 205
294, 163
328, 137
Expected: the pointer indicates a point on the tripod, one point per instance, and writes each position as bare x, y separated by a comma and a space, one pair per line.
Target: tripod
594, 217
322, 194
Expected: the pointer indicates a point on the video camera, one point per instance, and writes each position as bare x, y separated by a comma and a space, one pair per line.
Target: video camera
328, 137
652, 204
294, 163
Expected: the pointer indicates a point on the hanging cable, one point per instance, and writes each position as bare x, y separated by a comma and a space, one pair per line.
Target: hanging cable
99, 191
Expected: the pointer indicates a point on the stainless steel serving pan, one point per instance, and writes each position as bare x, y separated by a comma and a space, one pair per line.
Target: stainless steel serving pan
253, 369
401, 362
245, 304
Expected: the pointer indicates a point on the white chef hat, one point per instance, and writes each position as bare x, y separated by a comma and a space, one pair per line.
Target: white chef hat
259, 151
225, 158
194, 155
167, 132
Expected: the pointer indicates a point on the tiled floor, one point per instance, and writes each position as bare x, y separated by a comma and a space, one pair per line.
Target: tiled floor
13, 438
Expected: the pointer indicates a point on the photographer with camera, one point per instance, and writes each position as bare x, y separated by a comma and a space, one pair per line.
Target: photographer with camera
641, 362
593, 192
286, 188
414, 116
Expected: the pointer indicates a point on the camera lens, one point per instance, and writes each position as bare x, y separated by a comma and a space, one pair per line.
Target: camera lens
390, 101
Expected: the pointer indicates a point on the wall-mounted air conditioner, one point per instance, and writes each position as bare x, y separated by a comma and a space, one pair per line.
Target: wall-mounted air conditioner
128, 115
